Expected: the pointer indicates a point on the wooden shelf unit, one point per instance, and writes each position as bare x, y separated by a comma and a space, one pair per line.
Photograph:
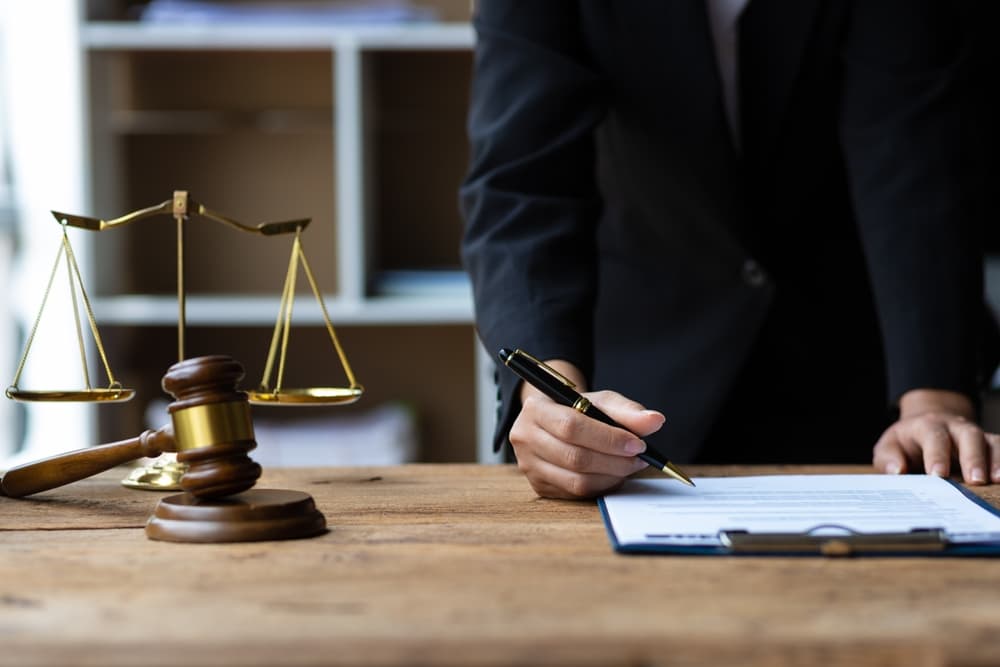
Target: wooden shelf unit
360, 128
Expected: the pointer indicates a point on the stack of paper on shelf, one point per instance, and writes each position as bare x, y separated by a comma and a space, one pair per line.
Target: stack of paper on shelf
384, 435
274, 12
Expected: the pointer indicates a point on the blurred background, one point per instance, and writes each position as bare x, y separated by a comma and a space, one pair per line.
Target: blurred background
350, 113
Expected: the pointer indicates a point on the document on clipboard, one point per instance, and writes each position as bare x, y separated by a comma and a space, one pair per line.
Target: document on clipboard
833, 515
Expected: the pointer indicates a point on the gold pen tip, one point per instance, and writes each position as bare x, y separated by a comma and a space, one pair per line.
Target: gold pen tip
675, 472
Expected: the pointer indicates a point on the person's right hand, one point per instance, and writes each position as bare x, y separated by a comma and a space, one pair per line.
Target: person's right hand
565, 454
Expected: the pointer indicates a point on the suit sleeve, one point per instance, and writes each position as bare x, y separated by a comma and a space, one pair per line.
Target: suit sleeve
529, 199
905, 133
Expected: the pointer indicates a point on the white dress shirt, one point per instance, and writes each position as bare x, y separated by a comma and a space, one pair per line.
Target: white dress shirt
723, 16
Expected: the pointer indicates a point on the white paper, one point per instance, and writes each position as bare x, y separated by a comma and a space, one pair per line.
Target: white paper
664, 512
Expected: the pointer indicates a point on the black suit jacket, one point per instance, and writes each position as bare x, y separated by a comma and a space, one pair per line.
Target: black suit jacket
804, 281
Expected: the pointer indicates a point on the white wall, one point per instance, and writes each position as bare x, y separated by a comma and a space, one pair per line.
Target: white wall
43, 102
8, 344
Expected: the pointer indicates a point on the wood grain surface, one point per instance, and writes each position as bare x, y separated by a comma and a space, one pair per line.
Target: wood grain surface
458, 565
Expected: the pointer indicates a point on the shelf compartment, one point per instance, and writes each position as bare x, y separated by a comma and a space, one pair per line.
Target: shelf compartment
416, 153
212, 121
250, 135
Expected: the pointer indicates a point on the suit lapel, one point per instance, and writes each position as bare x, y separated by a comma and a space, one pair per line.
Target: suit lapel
694, 60
683, 68
667, 46
773, 37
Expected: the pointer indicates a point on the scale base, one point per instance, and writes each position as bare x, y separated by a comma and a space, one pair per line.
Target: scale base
164, 474
252, 516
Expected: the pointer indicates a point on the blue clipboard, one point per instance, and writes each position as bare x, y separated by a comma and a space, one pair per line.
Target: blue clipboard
917, 543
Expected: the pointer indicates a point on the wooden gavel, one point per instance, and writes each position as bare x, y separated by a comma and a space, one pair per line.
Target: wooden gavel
211, 430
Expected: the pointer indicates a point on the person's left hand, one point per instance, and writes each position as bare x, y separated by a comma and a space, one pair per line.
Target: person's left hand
936, 427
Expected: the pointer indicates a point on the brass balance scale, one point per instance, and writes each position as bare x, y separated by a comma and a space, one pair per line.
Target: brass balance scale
164, 473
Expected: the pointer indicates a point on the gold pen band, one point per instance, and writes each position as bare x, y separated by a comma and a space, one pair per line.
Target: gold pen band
581, 405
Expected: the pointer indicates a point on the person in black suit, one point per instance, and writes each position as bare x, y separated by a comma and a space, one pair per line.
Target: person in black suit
773, 238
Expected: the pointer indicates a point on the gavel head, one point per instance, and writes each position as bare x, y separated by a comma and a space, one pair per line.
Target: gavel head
213, 430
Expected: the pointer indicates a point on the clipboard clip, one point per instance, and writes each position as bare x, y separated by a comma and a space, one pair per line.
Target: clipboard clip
834, 541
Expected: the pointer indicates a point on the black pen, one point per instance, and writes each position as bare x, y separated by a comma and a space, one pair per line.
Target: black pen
546, 379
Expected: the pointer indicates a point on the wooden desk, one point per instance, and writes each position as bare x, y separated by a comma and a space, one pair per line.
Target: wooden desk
457, 565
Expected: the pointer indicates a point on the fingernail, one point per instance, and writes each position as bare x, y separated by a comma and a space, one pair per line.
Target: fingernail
938, 470
633, 447
893, 468
978, 475
996, 474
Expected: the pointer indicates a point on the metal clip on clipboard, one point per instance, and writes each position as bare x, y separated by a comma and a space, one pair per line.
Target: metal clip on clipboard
845, 543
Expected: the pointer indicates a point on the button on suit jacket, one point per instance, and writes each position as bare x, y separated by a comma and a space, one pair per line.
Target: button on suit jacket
804, 281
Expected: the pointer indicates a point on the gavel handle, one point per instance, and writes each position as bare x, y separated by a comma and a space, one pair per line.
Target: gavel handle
76, 465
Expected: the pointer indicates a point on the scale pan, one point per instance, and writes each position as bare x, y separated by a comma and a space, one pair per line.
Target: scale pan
118, 395
308, 396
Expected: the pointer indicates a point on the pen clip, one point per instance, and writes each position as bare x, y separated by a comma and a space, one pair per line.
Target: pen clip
548, 369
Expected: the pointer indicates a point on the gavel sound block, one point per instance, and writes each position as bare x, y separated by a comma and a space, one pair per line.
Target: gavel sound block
211, 430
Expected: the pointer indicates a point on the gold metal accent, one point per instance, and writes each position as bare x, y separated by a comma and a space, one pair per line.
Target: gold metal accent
212, 424
162, 475
179, 203
167, 207
675, 472
581, 405
112, 395
834, 545
114, 391
203, 425
265, 394
180, 206
307, 396
559, 376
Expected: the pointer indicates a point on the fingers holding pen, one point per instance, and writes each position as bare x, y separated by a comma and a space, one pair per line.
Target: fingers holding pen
566, 454
576, 442
579, 451
552, 481
631, 414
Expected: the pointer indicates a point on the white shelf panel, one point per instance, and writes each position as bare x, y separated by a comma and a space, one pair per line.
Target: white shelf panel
196, 121
992, 277
262, 311
139, 36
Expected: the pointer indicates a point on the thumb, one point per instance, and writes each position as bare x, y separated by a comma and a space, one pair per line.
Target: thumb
631, 414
